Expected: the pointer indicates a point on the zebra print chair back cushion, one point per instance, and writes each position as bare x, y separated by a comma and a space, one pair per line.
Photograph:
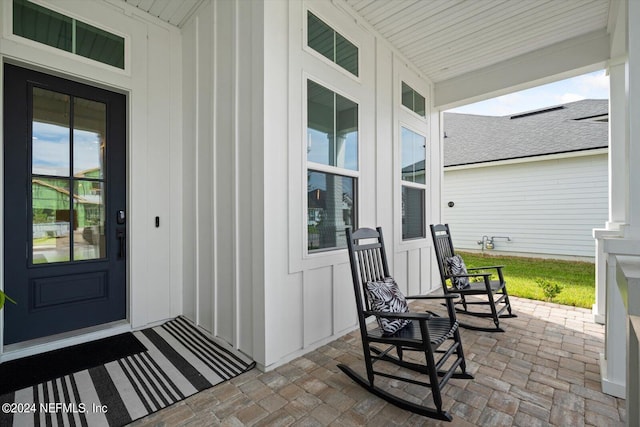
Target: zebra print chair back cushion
456, 266
384, 295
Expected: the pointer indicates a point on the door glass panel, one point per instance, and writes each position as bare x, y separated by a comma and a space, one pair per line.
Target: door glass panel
89, 124
51, 220
88, 236
67, 228
50, 133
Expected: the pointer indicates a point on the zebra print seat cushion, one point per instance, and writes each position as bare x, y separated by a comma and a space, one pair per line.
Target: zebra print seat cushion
456, 266
384, 295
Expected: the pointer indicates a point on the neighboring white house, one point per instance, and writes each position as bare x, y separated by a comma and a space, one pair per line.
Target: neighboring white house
533, 184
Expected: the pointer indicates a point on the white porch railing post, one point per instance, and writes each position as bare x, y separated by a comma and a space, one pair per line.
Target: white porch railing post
628, 278
599, 309
633, 376
613, 361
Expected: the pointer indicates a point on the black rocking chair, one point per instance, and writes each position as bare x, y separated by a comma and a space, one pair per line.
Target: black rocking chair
437, 338
491, 293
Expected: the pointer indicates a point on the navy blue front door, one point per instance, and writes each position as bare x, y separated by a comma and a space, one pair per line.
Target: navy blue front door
64, 205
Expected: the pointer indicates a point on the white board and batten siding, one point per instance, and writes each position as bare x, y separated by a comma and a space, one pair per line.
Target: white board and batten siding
248, 275
217, 133
547, 206
315, 289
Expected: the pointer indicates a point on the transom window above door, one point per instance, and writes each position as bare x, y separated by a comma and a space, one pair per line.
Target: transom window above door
54, 29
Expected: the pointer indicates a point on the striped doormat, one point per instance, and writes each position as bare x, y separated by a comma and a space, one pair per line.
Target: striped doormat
180, 360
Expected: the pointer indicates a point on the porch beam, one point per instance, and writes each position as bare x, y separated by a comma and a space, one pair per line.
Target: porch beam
586, 52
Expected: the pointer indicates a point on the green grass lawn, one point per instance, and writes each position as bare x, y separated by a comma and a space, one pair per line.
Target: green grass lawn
576, 278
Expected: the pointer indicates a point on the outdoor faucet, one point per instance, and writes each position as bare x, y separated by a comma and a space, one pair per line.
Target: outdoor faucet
484, 242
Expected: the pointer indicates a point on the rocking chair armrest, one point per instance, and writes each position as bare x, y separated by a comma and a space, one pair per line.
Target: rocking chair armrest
409, 315
450, 296
469, 275
486, 267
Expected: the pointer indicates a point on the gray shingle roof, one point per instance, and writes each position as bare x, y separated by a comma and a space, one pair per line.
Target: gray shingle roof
560, 129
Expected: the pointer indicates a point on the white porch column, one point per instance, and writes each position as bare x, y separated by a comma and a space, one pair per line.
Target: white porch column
632, 290
618, 167
618, 184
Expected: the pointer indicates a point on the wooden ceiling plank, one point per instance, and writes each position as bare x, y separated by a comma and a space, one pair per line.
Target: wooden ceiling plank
358, 5
145, 5
438, 24
185, 11
158, 6
532, 22
413, 16
543, 34
463, 61
170, 11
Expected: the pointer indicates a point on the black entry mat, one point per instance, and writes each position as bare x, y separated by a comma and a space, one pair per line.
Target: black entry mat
181, 359
21, 373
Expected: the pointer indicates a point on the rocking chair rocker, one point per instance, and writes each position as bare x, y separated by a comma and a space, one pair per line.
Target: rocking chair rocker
495, 291
437, 338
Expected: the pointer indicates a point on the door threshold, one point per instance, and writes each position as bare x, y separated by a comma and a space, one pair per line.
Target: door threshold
66, 339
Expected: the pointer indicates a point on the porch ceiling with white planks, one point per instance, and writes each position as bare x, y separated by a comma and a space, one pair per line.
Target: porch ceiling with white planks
449, 40
175, 12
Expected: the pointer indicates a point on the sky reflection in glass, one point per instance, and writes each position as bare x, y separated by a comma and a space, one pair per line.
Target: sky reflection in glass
51, 150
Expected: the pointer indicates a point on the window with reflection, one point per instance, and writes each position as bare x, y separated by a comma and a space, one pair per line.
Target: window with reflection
413, 100
331, 44
332, 128
413, 158
332, 167
43, 25
67, 180
330, 209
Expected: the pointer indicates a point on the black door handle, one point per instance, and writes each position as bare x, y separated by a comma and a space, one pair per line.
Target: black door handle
121, 236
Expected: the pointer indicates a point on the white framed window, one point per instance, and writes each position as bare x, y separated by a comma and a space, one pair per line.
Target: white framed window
332, 167
413, 100
48, 27
332, 45
413, 161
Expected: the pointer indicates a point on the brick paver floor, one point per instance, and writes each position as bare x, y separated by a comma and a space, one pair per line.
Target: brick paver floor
543, 370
